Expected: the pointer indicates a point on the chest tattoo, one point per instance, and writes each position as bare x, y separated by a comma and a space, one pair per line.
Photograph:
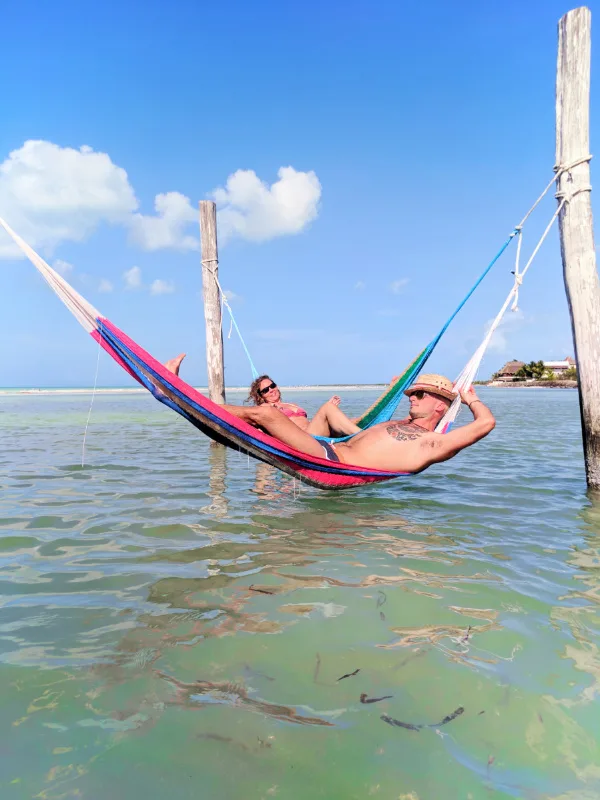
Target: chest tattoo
404, 431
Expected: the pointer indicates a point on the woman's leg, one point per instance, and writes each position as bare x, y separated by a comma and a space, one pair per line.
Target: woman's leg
331, 421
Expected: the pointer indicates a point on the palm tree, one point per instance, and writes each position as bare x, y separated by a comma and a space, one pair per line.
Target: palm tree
535, 369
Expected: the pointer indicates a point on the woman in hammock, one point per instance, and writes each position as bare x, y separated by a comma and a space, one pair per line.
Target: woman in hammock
328, 421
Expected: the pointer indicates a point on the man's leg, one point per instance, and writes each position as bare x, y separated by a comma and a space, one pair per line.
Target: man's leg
331, 421
279, 426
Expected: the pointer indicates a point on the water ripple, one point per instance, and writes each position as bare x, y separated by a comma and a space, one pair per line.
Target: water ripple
175, 607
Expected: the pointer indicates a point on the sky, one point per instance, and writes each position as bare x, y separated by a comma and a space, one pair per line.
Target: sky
368, 158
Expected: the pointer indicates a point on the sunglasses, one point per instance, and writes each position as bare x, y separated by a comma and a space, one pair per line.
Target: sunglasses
419, 394
267, 389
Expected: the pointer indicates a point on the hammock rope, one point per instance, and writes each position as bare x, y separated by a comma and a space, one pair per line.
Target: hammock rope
225, 302
469, 373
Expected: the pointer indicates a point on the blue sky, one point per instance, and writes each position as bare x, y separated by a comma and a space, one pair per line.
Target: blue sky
418, 135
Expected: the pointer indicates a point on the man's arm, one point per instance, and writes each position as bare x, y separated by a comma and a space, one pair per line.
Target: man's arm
483, 422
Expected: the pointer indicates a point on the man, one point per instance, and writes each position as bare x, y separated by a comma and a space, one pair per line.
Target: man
408, 445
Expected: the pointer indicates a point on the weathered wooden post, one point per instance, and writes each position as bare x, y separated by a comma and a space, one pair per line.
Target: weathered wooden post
212, 301
575, 222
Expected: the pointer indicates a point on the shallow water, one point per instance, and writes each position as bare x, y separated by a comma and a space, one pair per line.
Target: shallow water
175, 619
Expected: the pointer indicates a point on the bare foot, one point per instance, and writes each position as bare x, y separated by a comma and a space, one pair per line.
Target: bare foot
174, 364
336, 400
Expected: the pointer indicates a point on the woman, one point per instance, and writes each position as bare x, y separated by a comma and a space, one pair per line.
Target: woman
328, 421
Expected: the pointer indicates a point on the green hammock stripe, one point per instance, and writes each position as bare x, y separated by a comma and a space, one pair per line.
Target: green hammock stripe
390, 393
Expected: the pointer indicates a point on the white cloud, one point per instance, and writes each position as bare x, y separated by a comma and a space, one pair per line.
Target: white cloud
105, 286
399, 285
161, 287
231, 296
166, 230
51, 194
133, 278
360, 286
253, 210
62, 267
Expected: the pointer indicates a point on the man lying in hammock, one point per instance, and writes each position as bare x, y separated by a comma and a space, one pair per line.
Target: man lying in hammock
408, 445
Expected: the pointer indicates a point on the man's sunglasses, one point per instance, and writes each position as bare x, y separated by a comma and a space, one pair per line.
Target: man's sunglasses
419, 394
267, 389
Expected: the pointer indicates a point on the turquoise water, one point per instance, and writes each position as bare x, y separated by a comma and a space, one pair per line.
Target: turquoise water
175, 619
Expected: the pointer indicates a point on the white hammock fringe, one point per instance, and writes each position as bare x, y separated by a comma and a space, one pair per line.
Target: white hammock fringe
84, 312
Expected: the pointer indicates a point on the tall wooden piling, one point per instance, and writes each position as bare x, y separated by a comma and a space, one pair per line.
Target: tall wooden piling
575, 222
212, 301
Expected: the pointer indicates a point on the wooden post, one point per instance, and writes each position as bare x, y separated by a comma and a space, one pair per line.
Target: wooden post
212, 301
575, 222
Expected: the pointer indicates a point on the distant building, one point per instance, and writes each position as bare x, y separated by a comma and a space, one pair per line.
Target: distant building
509, 371
560, 367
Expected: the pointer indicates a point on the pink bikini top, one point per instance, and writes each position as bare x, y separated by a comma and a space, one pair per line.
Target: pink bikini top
292, 411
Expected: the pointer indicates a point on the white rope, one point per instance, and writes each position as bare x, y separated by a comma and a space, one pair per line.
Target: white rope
516, 273
225, 303
559, 170
87, 424
469, 373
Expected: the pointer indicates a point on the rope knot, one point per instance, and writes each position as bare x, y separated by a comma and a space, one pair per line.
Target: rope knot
566, 197
560, 168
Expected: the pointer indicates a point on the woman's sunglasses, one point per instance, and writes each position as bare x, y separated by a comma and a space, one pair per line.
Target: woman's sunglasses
267, 389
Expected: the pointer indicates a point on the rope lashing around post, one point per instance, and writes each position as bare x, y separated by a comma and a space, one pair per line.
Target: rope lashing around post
560, 170
568, 196
225, 302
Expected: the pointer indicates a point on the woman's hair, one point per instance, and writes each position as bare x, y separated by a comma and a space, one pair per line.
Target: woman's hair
254, 396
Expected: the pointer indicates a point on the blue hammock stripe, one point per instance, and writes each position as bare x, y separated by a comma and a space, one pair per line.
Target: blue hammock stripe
388, 409
135, 364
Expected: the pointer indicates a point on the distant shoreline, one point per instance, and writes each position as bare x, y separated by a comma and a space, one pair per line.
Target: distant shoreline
533, 384
337, 387
353, 387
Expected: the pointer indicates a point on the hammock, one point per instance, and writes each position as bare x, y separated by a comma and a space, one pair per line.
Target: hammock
223, 427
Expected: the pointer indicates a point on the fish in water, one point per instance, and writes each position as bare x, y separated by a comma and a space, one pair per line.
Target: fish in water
317, 668
365, 699
349, 675
256, 673
410, 727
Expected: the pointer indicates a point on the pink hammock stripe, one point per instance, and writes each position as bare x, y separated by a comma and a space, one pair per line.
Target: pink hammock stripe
331, 475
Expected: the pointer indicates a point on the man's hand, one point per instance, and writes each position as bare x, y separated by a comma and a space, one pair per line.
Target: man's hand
468, 396
459, 438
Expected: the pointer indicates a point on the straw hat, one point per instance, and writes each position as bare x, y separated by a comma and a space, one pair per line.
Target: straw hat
434, 384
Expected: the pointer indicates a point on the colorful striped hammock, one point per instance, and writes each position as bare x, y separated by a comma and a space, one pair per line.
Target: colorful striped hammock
223, 427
